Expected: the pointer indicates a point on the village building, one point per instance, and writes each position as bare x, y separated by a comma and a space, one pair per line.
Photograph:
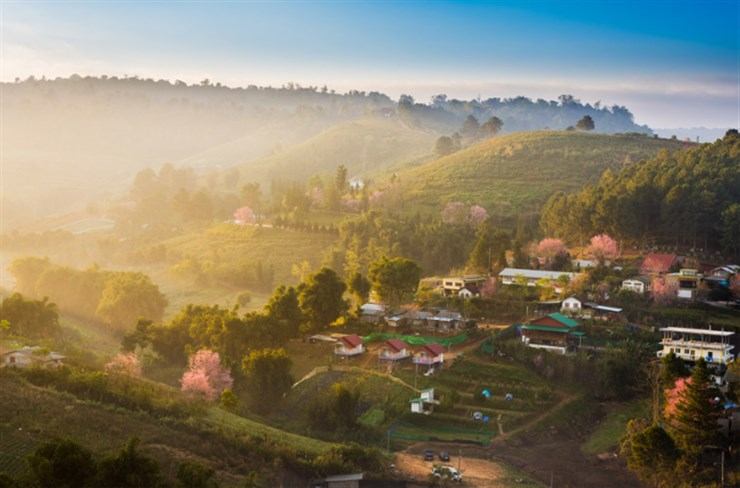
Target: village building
580, 264
468, 292
638, 284
424, 403
595, 311
29, 357
723, 276
372, 313
452, 286
430, 355
349, 345
553, 332
687, 283
446, 321
571, 306
394, 350
531, 277
689, 344
656, 264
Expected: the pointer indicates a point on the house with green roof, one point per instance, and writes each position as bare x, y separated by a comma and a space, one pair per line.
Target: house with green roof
553, 332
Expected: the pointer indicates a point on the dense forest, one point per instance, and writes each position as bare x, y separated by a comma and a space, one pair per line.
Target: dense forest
687, 198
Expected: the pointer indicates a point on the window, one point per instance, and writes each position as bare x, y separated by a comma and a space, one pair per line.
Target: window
686, 351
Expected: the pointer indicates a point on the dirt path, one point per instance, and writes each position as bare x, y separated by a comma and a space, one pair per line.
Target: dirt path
354, 369
531, 423
478, 473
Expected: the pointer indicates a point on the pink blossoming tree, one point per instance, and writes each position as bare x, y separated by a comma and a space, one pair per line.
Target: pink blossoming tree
124, 363
205, 375
664, 292
244, 215
550, 247
454, 213
603, 248
673, 396
477, 215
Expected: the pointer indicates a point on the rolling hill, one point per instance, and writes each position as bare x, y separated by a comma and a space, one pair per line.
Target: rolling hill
518, 172
365, 146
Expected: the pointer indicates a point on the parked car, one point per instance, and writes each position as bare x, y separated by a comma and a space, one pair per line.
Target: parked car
444, 456
447, 472
428, 455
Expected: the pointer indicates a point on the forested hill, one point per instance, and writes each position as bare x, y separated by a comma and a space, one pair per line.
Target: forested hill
519, 114
689, 198
518, 172
70, 142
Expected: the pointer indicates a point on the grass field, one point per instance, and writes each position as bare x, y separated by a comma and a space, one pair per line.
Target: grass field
363, 146
33, 415
611, 429
520, 171
243, 426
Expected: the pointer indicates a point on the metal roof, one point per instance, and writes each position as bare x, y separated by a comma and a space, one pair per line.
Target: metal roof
534, 273
686, 330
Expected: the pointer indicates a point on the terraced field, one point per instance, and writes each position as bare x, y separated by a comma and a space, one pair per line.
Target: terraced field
469, 377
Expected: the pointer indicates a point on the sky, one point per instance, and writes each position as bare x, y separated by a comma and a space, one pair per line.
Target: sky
673, 63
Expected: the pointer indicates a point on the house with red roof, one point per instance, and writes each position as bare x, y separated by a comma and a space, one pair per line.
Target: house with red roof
394, 350
658, 264
349, 345
430, 355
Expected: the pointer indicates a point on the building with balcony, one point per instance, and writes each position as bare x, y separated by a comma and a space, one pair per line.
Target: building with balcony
715, 346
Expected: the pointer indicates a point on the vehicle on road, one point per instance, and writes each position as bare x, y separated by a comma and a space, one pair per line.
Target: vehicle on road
444, 456
428, 455
446, 472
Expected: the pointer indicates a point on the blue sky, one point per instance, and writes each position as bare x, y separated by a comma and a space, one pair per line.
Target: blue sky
673, 63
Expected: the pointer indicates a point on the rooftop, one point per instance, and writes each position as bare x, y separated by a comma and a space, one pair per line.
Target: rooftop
687, 330
534, 273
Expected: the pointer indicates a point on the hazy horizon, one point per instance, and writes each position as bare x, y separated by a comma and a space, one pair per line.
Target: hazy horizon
676, 68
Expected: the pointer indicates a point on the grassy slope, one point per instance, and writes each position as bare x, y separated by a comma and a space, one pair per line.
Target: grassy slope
522, 170
611, 429
280, 247
364, 146
39, 414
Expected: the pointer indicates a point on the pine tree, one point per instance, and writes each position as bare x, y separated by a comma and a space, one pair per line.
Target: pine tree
696, 414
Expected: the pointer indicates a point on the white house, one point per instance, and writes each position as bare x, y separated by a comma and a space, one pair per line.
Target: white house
638, 284
425, 403
469, 291
31, 356
394, 350
715, 346
571, 306
349, 345
530, 277
430, 355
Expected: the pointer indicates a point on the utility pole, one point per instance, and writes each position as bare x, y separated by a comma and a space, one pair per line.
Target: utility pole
552, 479
722, 470
459, 460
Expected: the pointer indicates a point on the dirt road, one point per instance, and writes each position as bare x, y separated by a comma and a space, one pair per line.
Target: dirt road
477, 473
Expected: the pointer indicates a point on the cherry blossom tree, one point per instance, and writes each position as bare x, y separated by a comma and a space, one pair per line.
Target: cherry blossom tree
664, 292
244, 215
489, 288
477, 215
454, 213
124, 363
205, 375
550, 247
602, 248
673, 396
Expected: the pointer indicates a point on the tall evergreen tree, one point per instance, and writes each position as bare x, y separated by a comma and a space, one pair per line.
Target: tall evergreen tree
695, 423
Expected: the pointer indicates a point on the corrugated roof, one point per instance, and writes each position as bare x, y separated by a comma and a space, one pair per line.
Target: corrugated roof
396, 344
435, 349
534, 273
352, 340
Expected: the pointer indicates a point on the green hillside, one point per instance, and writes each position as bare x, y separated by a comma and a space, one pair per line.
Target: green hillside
520, 171
363, 146
42, 413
